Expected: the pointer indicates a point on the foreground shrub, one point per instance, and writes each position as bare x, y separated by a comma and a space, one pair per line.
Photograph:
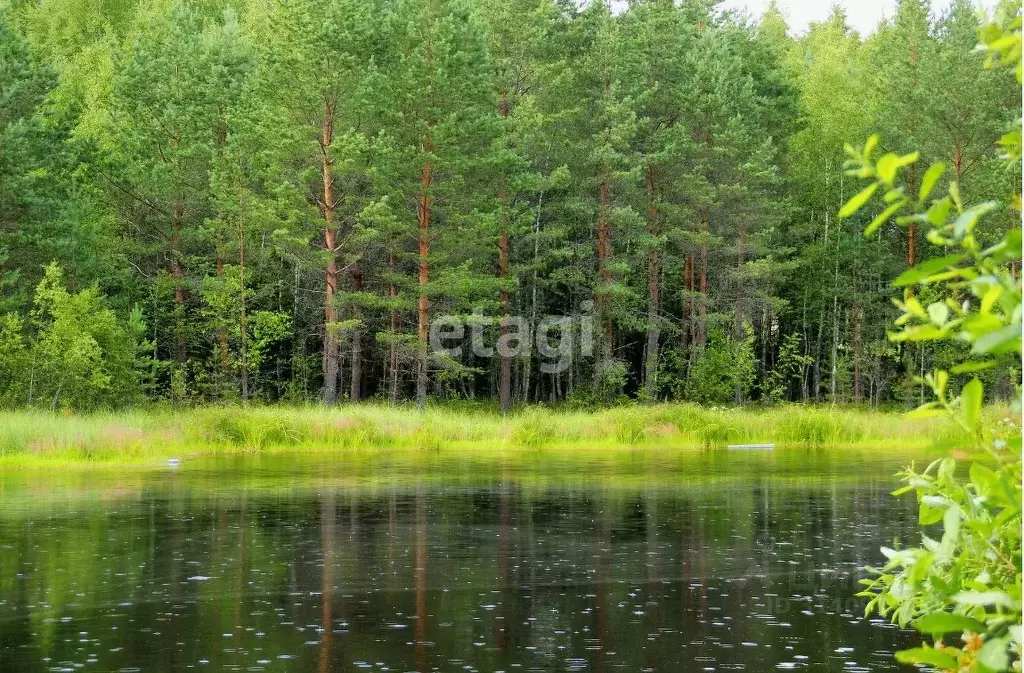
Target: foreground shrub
962, 589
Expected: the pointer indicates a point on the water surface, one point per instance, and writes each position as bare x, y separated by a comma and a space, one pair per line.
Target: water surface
434, 561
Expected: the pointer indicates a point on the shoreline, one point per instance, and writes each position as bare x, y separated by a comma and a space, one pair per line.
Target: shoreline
151, 437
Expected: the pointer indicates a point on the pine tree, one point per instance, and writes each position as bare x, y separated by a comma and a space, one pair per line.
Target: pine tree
443, 121
315, 72
655, 41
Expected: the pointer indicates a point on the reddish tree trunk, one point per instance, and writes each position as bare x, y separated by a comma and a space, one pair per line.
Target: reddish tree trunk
393, 350
604, 254
177, 274
222, 336
702, 328
331, 348
742, 259
355, 390
424, 276
653, 292
505, 372
688, 301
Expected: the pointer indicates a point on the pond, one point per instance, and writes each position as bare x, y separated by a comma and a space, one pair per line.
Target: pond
436, 561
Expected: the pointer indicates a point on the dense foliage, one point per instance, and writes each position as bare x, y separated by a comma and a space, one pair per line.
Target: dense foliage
272, 201
966, 583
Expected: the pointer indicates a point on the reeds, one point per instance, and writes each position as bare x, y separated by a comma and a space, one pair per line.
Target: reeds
149, 435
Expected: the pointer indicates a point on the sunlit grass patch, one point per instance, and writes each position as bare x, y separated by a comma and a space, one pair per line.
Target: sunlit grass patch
154, 435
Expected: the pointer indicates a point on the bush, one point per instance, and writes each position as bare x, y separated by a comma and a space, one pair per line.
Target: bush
968, 582
723, 370
75, 353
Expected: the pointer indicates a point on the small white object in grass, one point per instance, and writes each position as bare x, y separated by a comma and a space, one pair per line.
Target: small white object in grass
742, 447
173, 462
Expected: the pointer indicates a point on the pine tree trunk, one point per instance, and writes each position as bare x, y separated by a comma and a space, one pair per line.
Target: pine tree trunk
222, 333
528, 364
653, 293
702, 327
741, 254
856, 354
393, 349
331, 365
178, 276
688, 303
355, 390
741, 249
505, 373
244, 328
805, 393
835, 347
424, 275
604, 253
818, 354
912, 229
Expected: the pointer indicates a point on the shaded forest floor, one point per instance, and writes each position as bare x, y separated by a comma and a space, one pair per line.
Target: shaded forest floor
153, 436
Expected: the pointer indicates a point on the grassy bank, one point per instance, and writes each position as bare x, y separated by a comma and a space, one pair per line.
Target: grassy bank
32, 438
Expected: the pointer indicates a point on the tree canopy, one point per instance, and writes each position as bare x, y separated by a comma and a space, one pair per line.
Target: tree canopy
213, 201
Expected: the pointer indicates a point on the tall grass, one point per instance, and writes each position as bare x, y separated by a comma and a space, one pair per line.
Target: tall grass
34, 437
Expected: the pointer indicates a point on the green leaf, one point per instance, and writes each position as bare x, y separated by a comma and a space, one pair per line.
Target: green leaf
927, 655
928, 515
993, 654
982, 477
939, 211
938, 312
990, 298
858, 200
887, 166
884, 216
970, 403
966, 222
970, 367
984, 598
927, 410
925, 269
1000, 341
938, 623
919, 333
907, 159
893, 195
951, 527
931, 176
870, 144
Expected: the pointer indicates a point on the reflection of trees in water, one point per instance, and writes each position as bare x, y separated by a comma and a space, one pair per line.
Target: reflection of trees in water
421, 580
601, 588
502, 580
634, 522
327, 525
568, 556
240, 567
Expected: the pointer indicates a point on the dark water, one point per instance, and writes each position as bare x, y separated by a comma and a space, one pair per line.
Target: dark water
643, 561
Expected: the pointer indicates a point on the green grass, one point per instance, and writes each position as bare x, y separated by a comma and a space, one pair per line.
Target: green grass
34, 438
